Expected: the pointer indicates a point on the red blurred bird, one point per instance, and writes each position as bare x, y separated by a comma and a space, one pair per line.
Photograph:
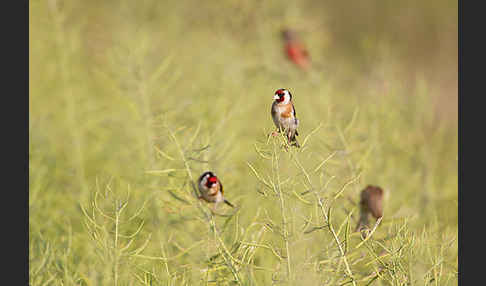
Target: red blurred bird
295, 50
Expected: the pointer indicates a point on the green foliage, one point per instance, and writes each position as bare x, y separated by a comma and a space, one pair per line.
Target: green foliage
131, 101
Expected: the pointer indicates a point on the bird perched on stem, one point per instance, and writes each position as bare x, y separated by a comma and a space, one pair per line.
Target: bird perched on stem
283, 115
295, 50
211, 189
371, 203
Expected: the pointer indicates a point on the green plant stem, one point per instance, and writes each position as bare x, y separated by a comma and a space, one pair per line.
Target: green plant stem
278, 190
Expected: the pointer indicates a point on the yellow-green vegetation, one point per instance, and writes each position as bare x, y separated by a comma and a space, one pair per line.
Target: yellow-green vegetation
130, 101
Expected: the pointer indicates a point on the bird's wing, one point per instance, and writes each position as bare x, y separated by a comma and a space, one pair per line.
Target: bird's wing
376, 208
306, 53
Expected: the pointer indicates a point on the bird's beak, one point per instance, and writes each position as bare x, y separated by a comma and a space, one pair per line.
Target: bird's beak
276, 96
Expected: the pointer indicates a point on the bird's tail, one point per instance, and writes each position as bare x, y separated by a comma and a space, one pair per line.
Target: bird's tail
228, 203
293, 140
363, 221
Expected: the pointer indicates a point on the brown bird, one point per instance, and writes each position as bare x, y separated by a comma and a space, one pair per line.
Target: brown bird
371, 203
295, 50
284, 115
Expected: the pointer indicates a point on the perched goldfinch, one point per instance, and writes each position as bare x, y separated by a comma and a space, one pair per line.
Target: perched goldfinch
211, 188
371, 203
283, 115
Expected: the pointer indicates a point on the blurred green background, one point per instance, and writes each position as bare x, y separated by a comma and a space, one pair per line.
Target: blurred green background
141, 97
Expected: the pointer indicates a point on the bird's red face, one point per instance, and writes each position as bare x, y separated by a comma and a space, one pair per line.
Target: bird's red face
280, 95
211, 181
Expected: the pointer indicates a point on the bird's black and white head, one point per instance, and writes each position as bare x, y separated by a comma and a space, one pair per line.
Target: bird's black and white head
282, 96
208, 179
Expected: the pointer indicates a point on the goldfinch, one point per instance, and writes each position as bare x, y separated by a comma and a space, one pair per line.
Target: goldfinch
211, 189
283, 115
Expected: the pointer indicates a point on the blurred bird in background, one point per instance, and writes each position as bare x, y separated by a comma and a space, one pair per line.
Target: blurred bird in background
371, 203
295, 50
